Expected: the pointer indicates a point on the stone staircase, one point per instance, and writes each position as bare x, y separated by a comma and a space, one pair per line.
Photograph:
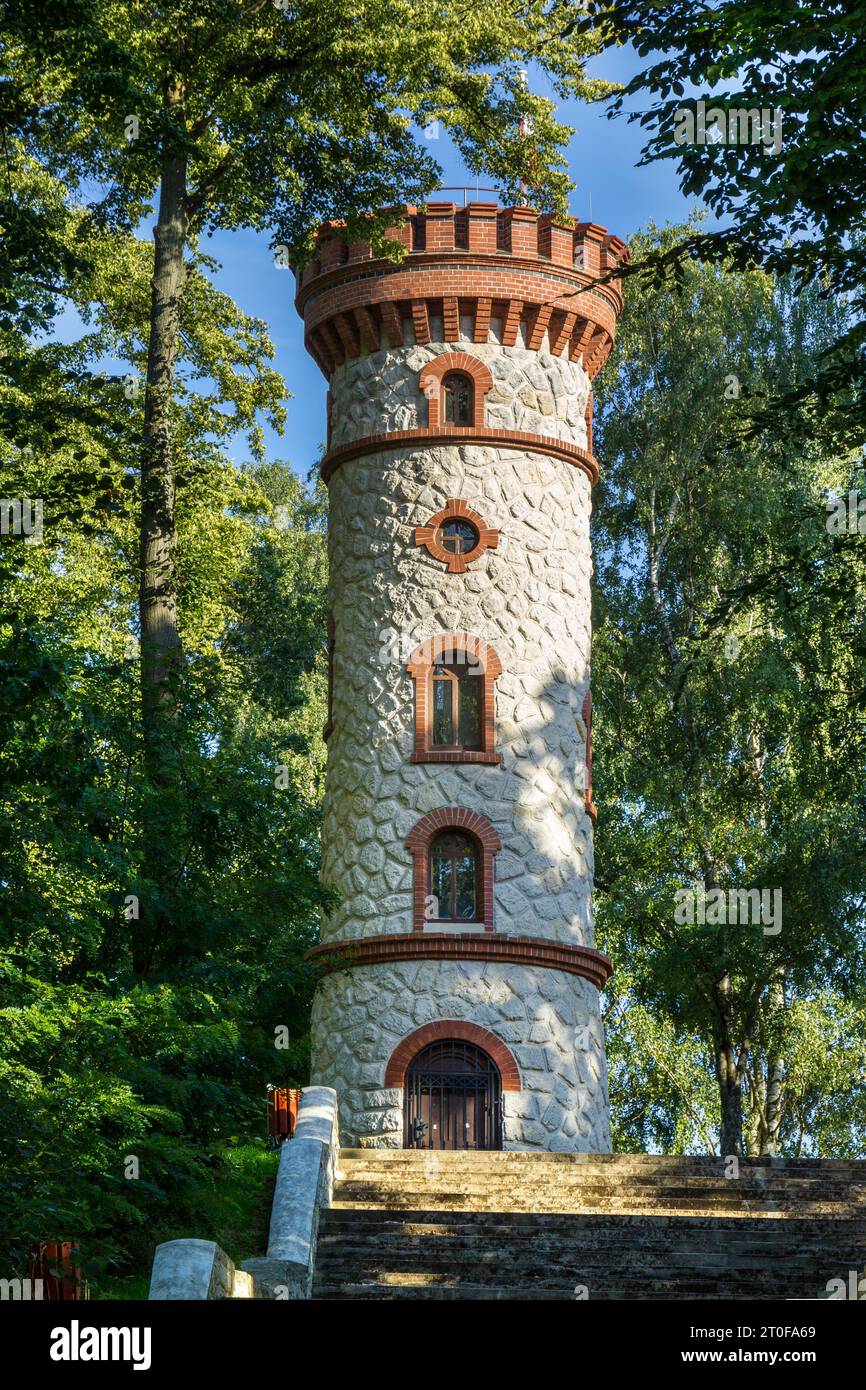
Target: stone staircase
409, 1224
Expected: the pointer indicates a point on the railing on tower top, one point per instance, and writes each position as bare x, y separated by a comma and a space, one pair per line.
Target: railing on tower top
464, 189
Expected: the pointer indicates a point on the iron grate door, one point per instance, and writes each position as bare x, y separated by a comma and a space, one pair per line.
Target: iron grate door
453, 1098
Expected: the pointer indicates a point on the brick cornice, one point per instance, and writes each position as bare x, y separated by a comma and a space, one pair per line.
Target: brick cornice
428, 652
478, 946
561, 285
461, 434
561, 280
452, 818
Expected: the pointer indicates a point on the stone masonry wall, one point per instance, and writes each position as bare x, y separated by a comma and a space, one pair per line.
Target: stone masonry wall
532, 391
549, 1021
530, 599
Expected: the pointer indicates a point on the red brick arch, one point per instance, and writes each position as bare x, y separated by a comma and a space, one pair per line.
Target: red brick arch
420, 667
395, 1072
430, 379
418, 843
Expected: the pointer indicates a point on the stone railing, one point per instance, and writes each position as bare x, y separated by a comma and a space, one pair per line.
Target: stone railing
199, 1269
305, 1181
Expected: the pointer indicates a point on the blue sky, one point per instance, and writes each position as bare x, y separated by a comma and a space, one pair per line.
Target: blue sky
602, 157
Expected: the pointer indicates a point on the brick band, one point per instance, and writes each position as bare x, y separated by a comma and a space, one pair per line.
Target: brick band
482, 947
461, 434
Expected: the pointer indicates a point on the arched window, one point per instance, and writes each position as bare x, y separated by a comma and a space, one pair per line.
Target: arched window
455, 384
454, 877
457, 679
454, 675
457, 399
452, 851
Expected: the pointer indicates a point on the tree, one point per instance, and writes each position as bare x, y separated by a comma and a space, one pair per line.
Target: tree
266, 116
791, 198
98, 1066
729, 754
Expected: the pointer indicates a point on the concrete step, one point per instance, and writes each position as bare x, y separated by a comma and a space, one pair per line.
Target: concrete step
472, 1176
450, 1253
778, 1283
534, 1293
500, 1245
434, 1168
742, 1282
563, 1227
379, 1159
796, 1188
563, 1203
476, 1226
777, 1274
341, 1224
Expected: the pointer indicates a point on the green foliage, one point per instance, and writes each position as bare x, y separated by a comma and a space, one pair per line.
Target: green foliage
729, 748
287, 115
95, 1066
662, 1093
793, 206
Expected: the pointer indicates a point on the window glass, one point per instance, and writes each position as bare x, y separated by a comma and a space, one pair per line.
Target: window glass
443, 718
458, 537
469, 711
458, 701
454, 876
464, 887
457, 390
440, 884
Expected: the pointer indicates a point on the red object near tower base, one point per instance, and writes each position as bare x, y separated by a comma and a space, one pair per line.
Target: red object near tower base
283, 1107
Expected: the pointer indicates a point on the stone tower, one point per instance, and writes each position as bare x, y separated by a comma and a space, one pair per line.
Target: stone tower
458, 1002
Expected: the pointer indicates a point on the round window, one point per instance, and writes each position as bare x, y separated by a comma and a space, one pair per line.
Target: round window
457, 537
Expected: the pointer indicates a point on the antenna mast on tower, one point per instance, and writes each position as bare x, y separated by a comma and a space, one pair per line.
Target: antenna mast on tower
525, 129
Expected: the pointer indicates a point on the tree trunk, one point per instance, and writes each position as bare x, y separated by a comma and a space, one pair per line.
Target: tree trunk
775, 1090
731, 1103
775, 1077
161, 654
728, 1074
161, 651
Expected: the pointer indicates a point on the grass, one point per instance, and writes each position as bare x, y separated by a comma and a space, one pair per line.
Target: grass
238, 1217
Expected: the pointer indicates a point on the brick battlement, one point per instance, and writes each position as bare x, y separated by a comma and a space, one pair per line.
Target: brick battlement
478, 273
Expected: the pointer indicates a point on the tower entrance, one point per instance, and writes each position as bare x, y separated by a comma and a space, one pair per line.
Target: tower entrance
453, 1098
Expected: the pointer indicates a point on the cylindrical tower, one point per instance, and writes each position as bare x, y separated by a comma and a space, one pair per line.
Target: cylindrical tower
458, 1004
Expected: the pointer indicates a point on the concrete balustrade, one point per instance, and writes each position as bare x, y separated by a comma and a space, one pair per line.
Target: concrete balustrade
200, 1269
